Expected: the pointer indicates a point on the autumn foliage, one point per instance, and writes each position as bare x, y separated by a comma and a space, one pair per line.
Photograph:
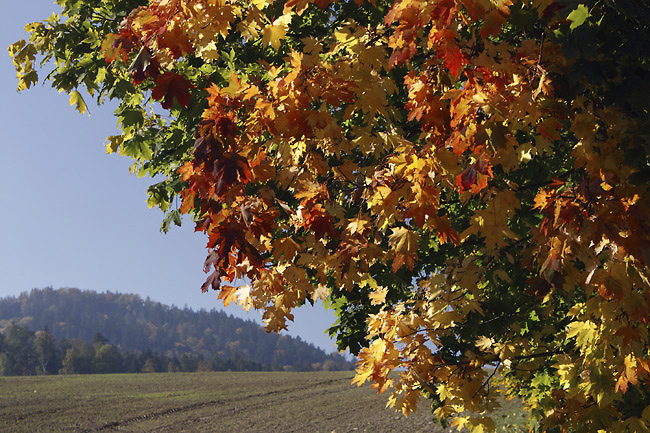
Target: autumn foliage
464, 181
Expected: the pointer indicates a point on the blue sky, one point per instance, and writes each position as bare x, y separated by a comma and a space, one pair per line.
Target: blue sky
72, 216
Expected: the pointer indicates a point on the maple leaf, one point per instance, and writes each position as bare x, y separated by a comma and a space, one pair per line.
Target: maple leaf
494, 20
228, 170
446, 233
405, 245
298, 5
170, 86
484, 343
227, 294
78, 101
378, 296
492, 222
119, 45
214, 280
320, 222
583, 332
357, 225
321, 293
143, 66
286, 247
176, 41
475, 176
453, 57
274, 33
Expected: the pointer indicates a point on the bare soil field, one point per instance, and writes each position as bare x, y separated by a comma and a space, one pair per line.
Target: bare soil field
201, 402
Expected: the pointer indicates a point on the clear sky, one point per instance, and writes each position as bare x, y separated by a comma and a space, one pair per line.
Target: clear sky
72, 216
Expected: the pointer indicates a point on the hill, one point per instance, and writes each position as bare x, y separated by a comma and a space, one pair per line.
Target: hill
133, 324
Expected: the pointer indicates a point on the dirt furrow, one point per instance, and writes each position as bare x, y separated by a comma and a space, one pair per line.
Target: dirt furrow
232, 410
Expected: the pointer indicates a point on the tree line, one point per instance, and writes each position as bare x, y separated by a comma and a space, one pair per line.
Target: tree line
141, 329
28, 353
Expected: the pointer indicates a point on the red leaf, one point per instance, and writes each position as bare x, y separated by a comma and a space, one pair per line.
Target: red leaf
231, 168
320, 222
119, 45
483, 167
212, 282
470, 179
144, 66
467, 178
169, 86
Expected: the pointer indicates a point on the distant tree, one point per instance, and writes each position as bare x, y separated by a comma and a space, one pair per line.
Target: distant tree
149, 366
20, 358
204, 365
131, 362
98, 340
4, 359
173, 366
153, 362
188, 362
46, 349
107, 359
78, 358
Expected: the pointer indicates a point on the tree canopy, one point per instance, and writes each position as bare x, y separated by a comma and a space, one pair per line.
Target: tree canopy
464, 181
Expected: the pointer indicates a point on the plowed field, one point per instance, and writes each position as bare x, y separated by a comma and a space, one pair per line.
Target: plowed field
200, 402
210, 402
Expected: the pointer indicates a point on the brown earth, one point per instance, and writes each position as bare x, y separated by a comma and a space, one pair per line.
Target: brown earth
201, 402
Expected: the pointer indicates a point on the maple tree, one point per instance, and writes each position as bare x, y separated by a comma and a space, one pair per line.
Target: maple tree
464, 181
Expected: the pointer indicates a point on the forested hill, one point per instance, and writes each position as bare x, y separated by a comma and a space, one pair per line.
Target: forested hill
131, 323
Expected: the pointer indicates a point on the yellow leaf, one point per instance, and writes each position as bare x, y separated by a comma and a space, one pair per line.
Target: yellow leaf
443, 392
361, 376
208, 52
287, 247
378, 296
483, 424
78, 101
227, 294
358, 225
347, 39
273, 34
368, 281
459, 422
259, 4
492, 222
15, 49
583, 332
113, 143
27, 79
484, 343
248, 28
321, 292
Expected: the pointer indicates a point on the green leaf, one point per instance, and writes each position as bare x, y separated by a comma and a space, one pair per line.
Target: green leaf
173, 216
578, 16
